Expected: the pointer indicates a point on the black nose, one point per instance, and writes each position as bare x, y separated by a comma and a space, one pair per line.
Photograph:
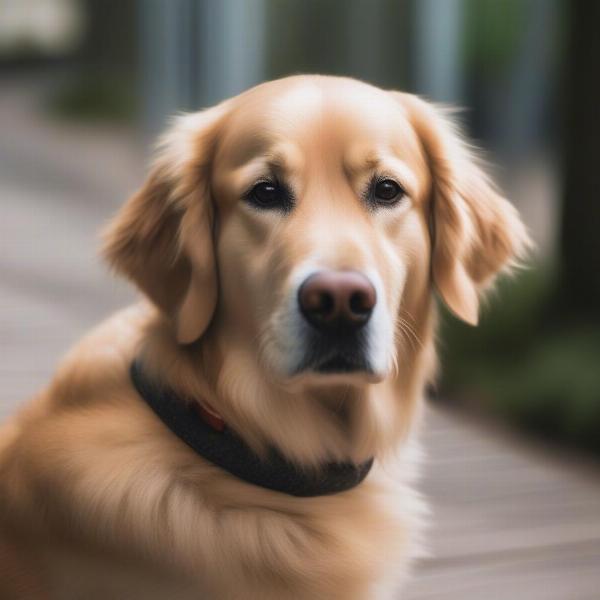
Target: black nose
337, 300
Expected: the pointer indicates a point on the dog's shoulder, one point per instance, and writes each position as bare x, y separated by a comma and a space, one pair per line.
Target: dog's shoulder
45, 440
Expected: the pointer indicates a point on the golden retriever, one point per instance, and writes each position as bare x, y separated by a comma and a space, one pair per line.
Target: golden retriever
290, 241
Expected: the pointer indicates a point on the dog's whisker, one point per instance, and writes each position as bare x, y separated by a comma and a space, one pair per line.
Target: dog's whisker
407, 328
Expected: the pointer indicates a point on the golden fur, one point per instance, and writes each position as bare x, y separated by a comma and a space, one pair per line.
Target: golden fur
99, 500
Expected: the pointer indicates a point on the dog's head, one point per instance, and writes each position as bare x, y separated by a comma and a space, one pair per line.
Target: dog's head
309, 219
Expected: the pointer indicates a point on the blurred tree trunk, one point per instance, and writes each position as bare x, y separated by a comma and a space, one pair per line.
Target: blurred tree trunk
580, 235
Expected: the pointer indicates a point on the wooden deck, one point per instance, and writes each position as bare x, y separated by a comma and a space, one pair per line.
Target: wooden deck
512, 521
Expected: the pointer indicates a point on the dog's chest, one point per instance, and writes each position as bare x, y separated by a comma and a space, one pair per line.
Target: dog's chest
72, 575
339, 552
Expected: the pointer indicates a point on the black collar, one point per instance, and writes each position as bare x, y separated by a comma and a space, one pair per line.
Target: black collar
226, 450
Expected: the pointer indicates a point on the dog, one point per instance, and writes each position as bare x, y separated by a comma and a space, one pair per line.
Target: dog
249, 430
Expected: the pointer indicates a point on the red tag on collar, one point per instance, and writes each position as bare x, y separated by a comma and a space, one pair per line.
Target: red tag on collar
210, 416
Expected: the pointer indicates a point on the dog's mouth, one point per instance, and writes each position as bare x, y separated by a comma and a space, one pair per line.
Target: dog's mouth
342, 364
335, 355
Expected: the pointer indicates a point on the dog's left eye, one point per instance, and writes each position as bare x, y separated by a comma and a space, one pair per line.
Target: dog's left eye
387, 192
270, 195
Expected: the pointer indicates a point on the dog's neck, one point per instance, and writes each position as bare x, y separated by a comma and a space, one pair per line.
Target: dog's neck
308, 426
205, 433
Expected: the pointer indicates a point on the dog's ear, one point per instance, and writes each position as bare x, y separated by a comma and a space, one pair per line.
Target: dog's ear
162, 238
476, 233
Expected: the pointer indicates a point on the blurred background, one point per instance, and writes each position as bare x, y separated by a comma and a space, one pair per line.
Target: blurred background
86, 85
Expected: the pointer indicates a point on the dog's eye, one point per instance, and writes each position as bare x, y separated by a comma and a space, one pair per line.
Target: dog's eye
270, 195
387, 192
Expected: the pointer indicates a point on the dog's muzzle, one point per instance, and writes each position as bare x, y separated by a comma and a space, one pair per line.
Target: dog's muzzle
337, 305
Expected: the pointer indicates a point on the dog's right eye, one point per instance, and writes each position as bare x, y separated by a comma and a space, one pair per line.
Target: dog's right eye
270, 195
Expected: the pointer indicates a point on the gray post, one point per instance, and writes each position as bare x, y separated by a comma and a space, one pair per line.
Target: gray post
231, 52
437, 47
194, 53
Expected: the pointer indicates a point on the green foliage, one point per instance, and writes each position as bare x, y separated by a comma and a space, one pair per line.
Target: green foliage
95, 98
493, 31
527, 364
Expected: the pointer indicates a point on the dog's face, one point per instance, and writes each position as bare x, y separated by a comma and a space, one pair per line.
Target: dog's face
319, 187
307, 218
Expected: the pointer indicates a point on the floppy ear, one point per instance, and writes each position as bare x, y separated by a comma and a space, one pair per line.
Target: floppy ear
162, 238
476, 233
